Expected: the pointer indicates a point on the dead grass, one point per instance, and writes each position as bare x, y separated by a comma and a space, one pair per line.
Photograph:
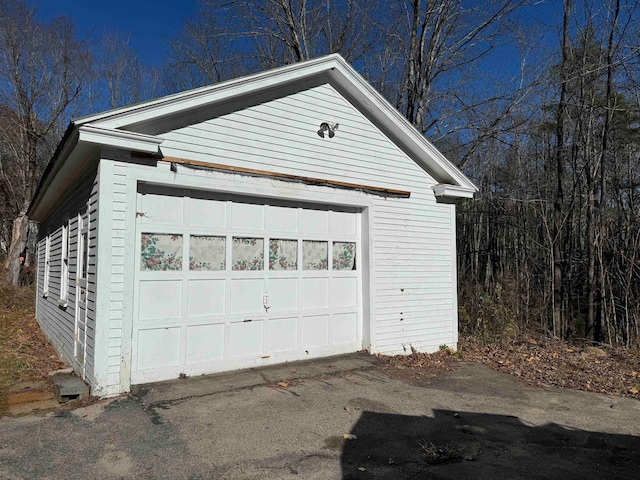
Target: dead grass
25, 354
439, 454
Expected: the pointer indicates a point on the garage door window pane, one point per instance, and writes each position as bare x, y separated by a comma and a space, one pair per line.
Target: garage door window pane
248, 253
161, 251
207, 252
344, 256
314, 255
283, 254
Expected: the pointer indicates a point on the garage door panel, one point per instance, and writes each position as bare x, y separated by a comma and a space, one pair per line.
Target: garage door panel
206, 297
314, 221
245, 296
315, 331
207, 213
283, 295
162, 209
160, 300
315, 293
205, 343
344, 292
344, 328
343, 223
245, 339
282, 334
282, 219
158, 347
247, 216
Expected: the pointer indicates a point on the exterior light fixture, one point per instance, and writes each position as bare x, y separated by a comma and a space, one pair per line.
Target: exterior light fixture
330, 128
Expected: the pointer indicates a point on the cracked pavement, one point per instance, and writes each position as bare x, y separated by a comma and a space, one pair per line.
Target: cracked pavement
289, 421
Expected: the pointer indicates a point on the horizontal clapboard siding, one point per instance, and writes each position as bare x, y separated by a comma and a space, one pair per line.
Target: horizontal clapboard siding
58, 322
412, 244
116, 300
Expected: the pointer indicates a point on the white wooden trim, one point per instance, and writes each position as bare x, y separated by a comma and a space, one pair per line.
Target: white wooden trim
368, 285
47, 266
119, 138
64, 264
453, 191
251, 186
103, 278
454, 278
331, 68
130, 256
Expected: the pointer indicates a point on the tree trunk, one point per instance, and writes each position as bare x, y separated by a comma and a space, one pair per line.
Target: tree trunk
18, 243
558, 297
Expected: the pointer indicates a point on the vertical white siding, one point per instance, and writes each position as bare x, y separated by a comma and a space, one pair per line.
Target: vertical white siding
58, 322
412, 245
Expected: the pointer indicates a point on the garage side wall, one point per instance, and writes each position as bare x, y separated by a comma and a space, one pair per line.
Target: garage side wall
57, 318
412, 242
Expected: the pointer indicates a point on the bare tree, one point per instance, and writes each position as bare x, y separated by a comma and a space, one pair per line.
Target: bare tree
205, 50
441, 39
43, 69
235, 37
119, 69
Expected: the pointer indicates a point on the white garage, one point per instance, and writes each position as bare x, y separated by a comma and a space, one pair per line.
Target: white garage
287, 215
227, 282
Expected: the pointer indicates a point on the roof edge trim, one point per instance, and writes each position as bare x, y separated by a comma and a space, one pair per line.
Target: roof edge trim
442, 190
260, 79
119, 138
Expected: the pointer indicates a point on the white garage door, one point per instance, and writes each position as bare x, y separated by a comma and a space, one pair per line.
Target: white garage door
224, 282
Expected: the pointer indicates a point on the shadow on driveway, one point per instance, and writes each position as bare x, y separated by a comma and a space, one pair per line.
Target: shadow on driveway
462, 445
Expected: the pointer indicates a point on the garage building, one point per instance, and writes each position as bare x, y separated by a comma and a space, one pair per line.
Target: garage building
281, 216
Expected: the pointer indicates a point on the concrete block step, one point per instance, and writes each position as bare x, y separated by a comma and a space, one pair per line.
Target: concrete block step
67, 386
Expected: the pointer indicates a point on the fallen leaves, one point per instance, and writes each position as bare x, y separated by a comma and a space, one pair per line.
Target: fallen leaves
548, 362
541, 362
25, 353
419, 366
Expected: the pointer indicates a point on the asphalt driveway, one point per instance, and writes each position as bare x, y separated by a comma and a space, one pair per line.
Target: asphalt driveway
290, 422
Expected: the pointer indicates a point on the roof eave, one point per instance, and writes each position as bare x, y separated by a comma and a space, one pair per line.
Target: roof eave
64, 149
123, 139
445, 191
397, 125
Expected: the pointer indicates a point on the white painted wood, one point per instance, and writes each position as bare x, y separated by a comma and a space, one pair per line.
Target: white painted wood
196, 322
147, 328
410, 239
81, 289
118, 138
331, 68
60, 322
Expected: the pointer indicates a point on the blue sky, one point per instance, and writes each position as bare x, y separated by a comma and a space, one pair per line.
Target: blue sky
150, 22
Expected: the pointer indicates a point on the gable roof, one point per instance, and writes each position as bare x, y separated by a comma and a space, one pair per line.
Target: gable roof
139, 127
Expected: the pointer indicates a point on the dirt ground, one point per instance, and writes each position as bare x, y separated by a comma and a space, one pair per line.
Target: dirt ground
25, 353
